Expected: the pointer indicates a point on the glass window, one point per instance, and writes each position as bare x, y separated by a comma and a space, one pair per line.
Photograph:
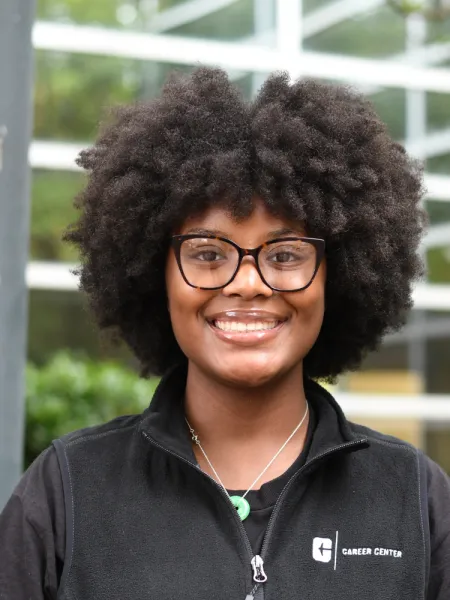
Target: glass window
60, 320
390, 106
438, 253
438, 31
421, 349
51, 212
437, 346
437, 106
437, 444
235, 21
310, 6
374, 34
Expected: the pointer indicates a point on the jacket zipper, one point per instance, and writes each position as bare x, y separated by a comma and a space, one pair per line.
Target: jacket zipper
284, 491
220, 488
257, 561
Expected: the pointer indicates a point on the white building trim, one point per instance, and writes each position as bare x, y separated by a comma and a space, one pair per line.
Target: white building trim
55, 156
428, 407
438, 187
433, 296
55, 276
238, 56
437, 236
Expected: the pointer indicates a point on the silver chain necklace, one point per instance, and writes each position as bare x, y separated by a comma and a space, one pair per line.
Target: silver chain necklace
240, 502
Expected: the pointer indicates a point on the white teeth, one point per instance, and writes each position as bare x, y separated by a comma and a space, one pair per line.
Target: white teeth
244, 327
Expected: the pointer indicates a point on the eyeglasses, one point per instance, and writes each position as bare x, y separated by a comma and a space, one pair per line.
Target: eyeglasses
286, 264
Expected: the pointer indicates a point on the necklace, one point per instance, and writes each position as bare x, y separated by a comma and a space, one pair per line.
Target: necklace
240, 502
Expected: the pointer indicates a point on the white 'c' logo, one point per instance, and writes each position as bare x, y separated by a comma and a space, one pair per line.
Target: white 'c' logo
322, 549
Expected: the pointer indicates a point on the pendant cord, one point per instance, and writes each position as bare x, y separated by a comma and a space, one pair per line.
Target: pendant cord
197, 441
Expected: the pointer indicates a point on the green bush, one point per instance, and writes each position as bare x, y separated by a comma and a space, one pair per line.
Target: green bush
69, 393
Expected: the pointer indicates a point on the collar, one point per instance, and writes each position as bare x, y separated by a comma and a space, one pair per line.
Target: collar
163, 422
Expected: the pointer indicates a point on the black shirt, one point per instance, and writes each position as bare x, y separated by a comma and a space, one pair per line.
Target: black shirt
32, 528
263, 500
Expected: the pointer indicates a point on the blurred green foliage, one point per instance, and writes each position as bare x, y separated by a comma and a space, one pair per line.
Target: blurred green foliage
73, 91
70, 393
81, 11
431, 9
110, 13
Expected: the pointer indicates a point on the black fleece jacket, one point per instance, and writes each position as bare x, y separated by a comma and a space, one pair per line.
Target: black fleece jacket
123, 511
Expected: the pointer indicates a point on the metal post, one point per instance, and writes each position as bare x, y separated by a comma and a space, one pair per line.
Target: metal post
16, 18
416, 129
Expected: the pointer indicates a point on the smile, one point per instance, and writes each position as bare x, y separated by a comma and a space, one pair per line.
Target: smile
246, 333
245, 327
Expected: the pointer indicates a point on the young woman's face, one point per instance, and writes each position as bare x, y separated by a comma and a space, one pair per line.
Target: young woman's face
244, 334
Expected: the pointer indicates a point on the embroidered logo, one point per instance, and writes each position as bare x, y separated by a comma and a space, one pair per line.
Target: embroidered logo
322, 549
325, 550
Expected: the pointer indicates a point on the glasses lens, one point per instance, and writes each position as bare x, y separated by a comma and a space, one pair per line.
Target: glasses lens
208, 263
288, 265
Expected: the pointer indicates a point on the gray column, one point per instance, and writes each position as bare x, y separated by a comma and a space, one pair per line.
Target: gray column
416, 129
16, 18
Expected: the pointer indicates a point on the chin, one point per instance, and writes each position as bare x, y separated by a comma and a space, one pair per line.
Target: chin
250, 374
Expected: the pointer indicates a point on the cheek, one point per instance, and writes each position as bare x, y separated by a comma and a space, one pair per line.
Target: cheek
309, 308
180, 296
313, 305
184, 304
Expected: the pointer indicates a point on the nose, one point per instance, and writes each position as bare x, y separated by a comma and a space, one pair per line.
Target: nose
247, 282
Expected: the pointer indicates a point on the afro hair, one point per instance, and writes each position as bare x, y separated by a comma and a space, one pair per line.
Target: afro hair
313, 152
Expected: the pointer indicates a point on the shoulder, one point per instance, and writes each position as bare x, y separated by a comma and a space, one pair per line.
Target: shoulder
379, 438
40, 485
36, 506
122, 425
434, 487
438, 480
32, 530
438, 485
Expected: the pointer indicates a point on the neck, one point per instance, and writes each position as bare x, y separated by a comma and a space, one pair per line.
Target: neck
242, 429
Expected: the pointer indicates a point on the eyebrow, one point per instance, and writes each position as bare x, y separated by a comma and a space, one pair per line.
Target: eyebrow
276, 233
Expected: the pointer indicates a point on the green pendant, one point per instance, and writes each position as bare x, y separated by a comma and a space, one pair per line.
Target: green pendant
242, 506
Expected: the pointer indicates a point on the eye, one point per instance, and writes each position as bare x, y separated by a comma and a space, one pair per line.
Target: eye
208, 255
284, 256
204, 253
289, 255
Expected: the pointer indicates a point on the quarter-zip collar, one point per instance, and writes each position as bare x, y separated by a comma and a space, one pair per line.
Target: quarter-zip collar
164, 420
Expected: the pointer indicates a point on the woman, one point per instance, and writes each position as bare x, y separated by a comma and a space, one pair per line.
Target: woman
243, 251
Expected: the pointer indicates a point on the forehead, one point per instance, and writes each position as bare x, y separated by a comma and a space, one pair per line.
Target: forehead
250, 230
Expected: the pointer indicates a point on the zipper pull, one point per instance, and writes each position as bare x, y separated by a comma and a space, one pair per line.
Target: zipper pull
258, 569
258, 575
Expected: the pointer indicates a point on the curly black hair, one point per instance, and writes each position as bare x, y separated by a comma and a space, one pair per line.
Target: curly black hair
313, 152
